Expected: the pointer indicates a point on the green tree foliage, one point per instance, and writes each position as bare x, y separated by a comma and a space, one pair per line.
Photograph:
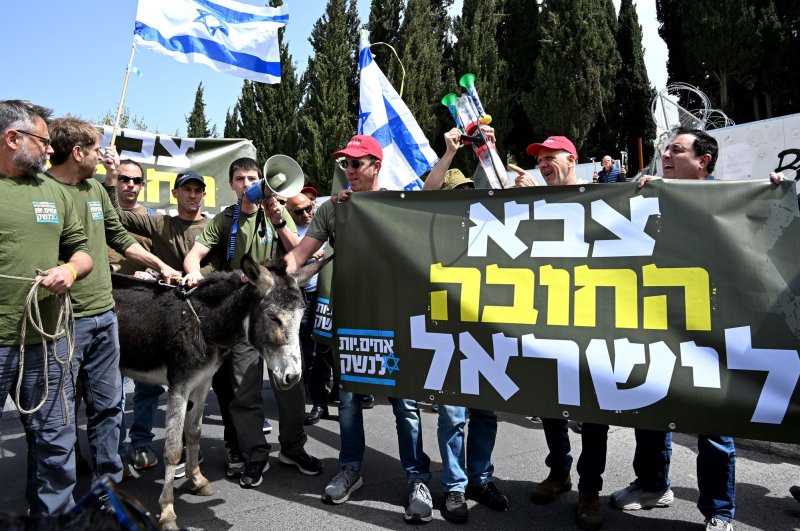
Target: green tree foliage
631, 119
196, 124
476, 52
328, 116
231, 129
126, 119
575, 70
518, 45
384, 26
422, 59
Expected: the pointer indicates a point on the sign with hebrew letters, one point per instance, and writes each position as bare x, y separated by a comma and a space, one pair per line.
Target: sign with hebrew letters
672, 307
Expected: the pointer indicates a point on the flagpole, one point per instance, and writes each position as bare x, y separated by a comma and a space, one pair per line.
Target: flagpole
124, 90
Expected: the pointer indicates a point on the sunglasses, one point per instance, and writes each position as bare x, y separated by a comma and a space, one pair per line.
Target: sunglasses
301, 211
129, 179
355, 164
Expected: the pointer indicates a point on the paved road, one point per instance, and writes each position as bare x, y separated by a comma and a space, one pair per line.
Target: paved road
288, 500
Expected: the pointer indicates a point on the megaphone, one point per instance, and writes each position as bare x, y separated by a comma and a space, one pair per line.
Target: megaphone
282, 176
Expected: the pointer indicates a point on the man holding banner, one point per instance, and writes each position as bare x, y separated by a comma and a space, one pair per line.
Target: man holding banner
361, 159
557, 158
691, 154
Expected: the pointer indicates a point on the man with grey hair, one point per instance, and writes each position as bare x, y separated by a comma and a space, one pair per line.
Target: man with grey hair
38, 228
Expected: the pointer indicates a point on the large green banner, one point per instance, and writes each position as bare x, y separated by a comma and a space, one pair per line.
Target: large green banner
672, 307
164, 156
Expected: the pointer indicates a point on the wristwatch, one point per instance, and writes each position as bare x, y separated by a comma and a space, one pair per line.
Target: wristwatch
280, 225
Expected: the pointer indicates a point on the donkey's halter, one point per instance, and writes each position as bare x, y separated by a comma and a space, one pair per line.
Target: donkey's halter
184, 294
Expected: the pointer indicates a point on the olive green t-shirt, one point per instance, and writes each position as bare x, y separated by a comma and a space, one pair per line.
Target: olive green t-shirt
323, 224
217, 233
92, 294
38, 227
119, 263
172, 237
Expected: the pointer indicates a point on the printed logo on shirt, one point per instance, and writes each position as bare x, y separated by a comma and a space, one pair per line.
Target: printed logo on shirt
46, 212
267, 238
96, 210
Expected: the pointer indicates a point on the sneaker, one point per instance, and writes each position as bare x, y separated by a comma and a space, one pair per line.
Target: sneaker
420, 503
308, 465
488, 495
633, 498
267, 427
717, 524
180, 470
550, 489
252, 474
342, 486
367, 401
795, 492
316, 413
590, 512
235, 461
455, 507
144, 457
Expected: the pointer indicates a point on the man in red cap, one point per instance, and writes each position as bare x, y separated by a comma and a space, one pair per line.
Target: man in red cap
557, 158
361, 161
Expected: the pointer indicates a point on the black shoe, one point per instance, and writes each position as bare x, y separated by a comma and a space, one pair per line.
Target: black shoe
455, 507
488, 495
308, 465
252, 475
313, 416
367, 401
795, 492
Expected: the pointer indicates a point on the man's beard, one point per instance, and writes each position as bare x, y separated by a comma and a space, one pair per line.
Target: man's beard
26, 163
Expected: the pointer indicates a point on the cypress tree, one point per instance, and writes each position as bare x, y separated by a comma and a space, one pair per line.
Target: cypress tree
634, 95
384, 26
476, 52
327, 119
575, 68
518, 42
196, 123
422, 60
231, 123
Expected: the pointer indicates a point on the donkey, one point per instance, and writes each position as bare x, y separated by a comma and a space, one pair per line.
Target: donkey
166, 339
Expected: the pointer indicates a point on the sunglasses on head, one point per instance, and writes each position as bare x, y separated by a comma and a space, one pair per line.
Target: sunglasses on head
301, 211
129, 179
355, 164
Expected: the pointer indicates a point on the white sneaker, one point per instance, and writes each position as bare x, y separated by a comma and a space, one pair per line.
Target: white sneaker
633, 498
715, 524
342, 486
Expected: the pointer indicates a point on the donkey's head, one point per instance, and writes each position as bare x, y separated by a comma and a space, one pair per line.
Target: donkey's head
273, 327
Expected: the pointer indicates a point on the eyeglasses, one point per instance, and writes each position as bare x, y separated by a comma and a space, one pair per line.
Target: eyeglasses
46, 141
355, 164
301, 211
129, 179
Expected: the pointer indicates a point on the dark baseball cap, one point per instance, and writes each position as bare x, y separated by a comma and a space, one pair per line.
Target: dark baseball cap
187, 176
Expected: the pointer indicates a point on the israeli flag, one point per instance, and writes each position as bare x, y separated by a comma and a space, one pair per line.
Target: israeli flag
228, 36
382, 114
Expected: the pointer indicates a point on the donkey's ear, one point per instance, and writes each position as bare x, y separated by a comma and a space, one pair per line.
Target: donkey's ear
306, 272
250, 268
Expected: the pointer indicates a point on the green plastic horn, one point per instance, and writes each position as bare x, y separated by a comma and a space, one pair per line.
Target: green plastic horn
449, 101
468, 82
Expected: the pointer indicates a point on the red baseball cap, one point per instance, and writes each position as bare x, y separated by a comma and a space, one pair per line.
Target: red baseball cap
554, 142
311, 190
361, 145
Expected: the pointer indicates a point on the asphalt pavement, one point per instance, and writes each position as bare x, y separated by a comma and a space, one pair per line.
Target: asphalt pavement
289, 500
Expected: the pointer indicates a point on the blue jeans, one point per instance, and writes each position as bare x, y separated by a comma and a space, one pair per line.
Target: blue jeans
651, 459
716, 469
51, 440
96, 360
145, 405
460, 466
409, 435
592, 462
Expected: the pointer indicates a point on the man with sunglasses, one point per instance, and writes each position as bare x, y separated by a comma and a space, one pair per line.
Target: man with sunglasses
38, 228
128, 185
361, 161
76, 154
317, 357
238, 230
